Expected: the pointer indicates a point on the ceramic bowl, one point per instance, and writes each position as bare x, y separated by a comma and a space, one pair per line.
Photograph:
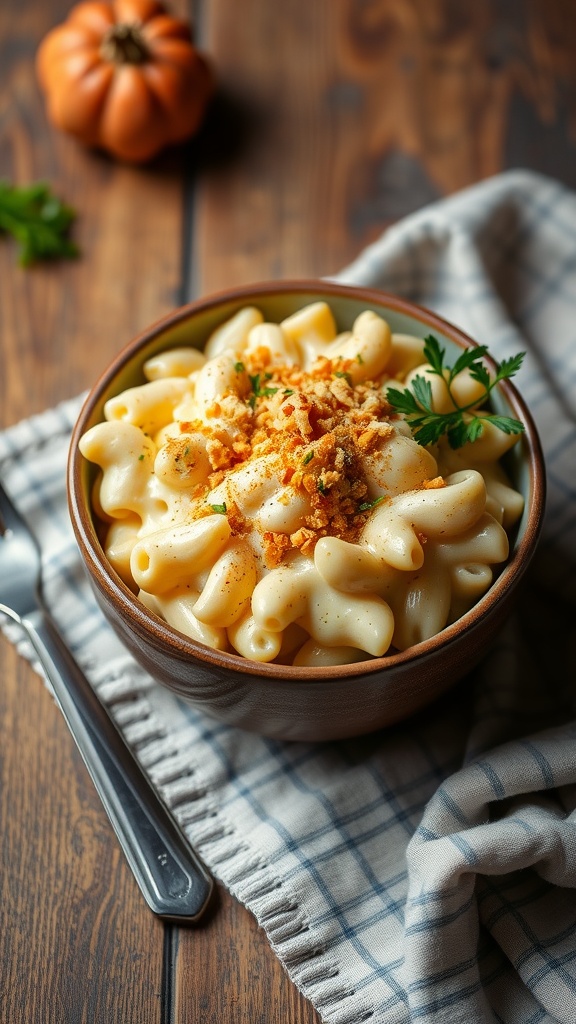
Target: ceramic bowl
288, 702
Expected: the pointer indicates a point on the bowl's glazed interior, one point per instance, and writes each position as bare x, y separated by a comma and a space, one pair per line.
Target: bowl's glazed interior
287, 701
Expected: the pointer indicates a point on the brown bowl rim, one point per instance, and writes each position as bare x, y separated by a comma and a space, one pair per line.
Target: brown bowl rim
145, 621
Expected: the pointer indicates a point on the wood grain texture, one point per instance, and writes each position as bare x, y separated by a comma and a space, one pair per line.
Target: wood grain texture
76, 942
341, 116
226, 972
334, 118
61, 323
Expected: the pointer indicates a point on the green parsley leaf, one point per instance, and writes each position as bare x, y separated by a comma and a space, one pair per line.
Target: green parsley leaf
38, 221
507, 424
219, 508
239, 367
467, 360
428, 426
434, 354
423, 393
459, 433
403, 401
480, 373
429, 430
508, 367
308, 458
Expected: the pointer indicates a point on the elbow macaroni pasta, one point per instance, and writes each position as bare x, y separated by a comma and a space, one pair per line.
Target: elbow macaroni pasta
263, 498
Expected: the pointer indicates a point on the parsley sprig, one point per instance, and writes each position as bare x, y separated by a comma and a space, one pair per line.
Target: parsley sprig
38, 220
429, 426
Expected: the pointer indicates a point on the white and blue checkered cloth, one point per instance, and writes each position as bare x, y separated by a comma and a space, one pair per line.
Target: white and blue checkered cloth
426, 872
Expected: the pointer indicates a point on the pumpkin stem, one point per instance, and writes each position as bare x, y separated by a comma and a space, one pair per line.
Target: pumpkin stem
124, 44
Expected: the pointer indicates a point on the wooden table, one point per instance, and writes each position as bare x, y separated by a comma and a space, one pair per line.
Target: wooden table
334, 118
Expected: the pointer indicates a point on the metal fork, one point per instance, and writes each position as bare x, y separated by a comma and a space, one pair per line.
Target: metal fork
174, 882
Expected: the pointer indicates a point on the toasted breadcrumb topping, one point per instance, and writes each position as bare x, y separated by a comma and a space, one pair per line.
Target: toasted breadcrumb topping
315, 427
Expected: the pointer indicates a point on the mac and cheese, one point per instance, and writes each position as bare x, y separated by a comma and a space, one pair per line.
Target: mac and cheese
263, 497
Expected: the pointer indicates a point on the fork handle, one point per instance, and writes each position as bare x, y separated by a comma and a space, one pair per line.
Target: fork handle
174, 882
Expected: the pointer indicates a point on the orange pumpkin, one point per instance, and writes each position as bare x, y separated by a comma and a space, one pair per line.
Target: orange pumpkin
124, 76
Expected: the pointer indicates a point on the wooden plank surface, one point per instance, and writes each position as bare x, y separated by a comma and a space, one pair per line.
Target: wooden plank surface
77, 942
334, 118
341, 116
226, 973
62, 323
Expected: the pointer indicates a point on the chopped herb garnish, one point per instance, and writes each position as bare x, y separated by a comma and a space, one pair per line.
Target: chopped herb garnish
416, 403
321, 485
308, 458
140, 457
219, 508
239, 367
367, 505
38, 221
187, 450
342, 373
288, 391
257, 390
359, 358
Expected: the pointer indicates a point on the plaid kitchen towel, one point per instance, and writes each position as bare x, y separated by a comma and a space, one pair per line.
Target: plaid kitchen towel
426, 872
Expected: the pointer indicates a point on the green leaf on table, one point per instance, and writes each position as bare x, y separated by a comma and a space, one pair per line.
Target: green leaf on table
38, 220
